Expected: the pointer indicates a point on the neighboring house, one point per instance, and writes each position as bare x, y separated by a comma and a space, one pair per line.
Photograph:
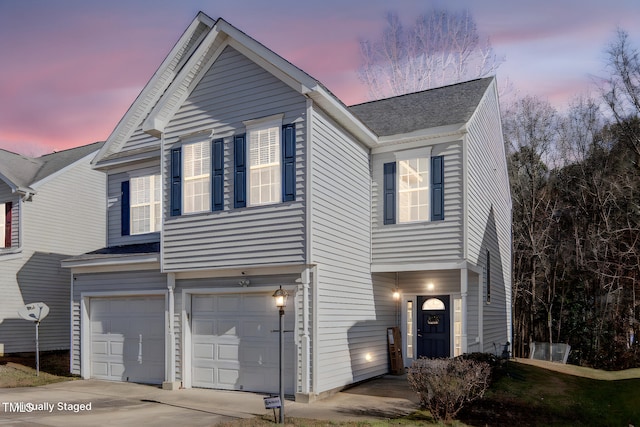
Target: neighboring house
51, 208
234, 173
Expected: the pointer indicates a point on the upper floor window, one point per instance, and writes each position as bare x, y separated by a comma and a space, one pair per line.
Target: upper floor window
264, 164
196, 189
413, 189
145, 204
5, 224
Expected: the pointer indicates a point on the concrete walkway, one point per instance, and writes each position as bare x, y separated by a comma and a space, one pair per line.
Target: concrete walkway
104, 403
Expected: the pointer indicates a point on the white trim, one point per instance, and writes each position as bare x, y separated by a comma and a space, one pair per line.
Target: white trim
85, 319
400, 267
112, 261
275, 120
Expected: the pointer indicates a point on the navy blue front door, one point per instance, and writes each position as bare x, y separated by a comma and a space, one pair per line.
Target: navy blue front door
434, 335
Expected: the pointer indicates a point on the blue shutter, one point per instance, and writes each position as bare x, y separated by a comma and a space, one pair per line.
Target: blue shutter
125, 216
437, 188
217, 193
389, 190
239, 171
288, 162
176, 181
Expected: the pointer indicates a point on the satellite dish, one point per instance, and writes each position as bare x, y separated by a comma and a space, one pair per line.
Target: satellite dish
34, 312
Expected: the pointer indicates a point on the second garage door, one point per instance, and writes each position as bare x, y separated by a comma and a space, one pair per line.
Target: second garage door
235, 343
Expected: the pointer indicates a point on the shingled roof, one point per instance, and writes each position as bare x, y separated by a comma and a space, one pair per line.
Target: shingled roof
447, 105
22, 172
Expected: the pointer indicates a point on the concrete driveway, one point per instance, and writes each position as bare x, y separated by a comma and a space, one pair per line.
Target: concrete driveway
104, 403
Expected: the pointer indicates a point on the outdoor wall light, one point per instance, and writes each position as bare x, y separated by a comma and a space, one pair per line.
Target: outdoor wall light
280, 298
430, 286
368, 357
396, 294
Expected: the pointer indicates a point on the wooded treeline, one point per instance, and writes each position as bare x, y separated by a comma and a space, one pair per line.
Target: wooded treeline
575, 180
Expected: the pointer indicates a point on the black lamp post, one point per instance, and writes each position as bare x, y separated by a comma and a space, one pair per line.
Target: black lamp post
280, 298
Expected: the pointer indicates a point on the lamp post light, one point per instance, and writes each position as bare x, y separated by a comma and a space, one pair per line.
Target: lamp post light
280, 298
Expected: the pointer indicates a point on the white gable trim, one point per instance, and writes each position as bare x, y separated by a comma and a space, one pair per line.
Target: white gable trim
151, 93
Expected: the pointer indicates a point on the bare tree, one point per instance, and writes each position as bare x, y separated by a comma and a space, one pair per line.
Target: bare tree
442, 47
622, 88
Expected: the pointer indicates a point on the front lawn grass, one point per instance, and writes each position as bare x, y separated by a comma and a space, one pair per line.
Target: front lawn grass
526, 395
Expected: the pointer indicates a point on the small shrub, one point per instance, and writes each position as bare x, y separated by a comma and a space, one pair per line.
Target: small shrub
446, 385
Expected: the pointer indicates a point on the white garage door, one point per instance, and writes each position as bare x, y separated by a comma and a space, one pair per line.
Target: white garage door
127, 339
235, 343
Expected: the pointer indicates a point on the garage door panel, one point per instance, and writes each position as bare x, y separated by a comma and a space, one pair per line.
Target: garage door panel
117, 326
239, 345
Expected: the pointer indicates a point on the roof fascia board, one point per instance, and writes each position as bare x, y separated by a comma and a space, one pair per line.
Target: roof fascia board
342, 115
418, 138
112, 261
176, 94
145, 101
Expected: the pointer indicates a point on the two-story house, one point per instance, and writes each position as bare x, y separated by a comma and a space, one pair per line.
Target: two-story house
51, 208
234, 173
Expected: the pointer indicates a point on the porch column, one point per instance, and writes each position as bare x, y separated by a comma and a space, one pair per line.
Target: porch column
464, 285
305, 340
170, 344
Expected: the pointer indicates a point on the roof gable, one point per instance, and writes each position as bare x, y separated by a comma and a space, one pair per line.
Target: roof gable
24, 174
157, 85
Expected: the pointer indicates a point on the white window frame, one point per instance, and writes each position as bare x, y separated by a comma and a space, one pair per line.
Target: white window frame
200, 202
153, 203
257, 127
403, 156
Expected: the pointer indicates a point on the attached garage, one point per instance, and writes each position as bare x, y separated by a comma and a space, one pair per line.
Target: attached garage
235, 343
127, 339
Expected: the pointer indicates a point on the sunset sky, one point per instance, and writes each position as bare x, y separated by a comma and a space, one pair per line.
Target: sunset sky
70, 69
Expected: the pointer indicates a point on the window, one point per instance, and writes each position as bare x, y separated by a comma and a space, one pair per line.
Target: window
269, 150
457, 327
410, 329
5, 224
145, 204
488, 277
264, 165
196, 186
413, 189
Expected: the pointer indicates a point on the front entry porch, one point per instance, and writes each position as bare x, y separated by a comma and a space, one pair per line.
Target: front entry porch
439, 312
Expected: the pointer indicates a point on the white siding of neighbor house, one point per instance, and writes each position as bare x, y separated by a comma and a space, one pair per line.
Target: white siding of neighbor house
489, 215
113, 284
114, 203
421, 241
65, 202
352, 314
234, 90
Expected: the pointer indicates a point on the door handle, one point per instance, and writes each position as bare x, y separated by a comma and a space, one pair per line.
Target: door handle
140, 350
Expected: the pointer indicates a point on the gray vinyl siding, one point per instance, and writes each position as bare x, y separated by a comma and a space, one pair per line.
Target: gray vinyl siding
66, 202
114, 213
489, 216
421, 241
112, 283
234, 90
352, 314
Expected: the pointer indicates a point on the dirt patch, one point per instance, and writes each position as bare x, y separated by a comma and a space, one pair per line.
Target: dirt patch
19, 370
